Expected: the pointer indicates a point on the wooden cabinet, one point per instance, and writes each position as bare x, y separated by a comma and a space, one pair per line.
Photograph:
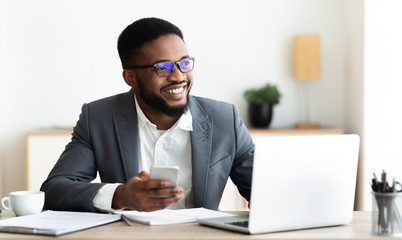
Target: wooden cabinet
43, 149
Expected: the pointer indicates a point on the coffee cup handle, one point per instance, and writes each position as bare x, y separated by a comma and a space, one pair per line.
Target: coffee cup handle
6, 199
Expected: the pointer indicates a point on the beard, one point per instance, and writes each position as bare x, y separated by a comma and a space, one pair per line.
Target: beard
157, 102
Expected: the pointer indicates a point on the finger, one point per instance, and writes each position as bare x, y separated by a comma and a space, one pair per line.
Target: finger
170, 191
137, 179
162, 203
143, 175
151, 184
156, 203
165, 201
143, 181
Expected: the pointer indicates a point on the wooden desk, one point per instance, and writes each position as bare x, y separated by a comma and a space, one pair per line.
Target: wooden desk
360, 228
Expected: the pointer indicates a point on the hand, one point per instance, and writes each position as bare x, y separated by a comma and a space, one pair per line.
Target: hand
144, 194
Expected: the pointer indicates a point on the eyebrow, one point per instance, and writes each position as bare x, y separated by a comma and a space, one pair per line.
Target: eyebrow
185, 56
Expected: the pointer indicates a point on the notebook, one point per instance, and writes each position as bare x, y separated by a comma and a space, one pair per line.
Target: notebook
55, 223
299, 182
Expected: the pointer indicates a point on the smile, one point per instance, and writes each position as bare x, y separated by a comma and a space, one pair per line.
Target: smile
175, 90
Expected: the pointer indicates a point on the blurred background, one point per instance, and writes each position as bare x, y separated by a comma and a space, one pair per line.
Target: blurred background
56, 55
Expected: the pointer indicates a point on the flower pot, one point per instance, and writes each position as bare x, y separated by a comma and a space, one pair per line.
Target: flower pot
260, 115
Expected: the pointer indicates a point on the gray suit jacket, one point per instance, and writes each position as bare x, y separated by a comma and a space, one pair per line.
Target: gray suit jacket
105, 139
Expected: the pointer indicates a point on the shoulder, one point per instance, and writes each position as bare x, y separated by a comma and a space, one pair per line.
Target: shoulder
123, 102
115, 100
210, 104
212, 108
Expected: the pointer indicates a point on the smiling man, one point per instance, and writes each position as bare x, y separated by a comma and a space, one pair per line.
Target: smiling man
156, 123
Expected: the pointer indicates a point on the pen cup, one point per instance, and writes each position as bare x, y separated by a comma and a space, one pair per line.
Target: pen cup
386, 215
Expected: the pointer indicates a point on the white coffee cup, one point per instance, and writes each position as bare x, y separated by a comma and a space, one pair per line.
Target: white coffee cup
24, 202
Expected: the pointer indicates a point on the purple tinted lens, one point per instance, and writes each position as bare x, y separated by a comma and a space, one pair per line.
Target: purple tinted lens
164, 68
186, 65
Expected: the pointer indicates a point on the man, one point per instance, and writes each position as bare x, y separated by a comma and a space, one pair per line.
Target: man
156, 123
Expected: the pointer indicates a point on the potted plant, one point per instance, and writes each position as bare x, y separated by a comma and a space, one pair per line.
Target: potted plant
261, 102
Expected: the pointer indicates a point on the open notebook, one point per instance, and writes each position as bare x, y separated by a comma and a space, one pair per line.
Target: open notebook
56, 223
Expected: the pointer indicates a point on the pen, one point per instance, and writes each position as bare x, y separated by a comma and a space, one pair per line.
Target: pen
383, 181
126, 220
393, 185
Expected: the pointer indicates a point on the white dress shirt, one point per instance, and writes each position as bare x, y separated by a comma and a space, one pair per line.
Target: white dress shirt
170, 147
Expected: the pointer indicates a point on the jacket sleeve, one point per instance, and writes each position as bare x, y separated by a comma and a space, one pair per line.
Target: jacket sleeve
68, 186
242, 168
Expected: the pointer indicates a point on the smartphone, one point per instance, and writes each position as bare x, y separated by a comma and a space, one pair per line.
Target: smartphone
170, 173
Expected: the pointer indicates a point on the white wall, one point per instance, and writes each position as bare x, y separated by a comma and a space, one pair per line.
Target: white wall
354, 90
382, 93
373, 90
56, 55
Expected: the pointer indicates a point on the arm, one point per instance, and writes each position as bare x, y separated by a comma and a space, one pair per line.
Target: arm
241, 172
69, 186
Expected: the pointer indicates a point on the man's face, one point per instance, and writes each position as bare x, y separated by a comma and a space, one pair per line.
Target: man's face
168, 94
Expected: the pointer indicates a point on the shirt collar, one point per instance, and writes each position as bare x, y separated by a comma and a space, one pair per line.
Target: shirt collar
185, 122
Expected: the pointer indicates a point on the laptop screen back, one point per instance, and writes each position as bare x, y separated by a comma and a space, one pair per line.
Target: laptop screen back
303, 181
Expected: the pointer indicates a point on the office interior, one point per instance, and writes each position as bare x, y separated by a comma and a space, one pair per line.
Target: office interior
57, 55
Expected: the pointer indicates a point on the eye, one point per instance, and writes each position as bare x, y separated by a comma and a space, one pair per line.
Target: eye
185, 62
163, 66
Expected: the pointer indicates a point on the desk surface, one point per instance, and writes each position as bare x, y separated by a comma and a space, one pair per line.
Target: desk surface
360, 228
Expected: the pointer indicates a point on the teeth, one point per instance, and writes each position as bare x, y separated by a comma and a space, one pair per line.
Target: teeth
175, 91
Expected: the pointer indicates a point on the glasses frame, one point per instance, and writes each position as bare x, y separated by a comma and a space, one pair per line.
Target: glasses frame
166, 75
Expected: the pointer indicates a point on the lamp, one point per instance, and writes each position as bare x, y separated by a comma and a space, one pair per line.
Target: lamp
306, 68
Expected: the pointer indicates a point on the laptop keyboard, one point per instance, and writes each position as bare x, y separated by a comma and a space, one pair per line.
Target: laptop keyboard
239, 223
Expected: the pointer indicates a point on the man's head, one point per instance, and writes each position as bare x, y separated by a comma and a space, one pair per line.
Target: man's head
135, 35
147, 48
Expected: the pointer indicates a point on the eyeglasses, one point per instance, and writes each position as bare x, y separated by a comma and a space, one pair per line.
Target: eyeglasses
166, 68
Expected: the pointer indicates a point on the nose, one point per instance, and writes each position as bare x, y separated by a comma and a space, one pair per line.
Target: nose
177, 75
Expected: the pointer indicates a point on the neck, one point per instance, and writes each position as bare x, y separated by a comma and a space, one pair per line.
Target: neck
155, 116
162, 121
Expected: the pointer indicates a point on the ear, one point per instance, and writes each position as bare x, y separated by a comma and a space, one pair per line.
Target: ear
130, 78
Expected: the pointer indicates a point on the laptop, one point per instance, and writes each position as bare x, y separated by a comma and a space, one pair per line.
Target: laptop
299, 182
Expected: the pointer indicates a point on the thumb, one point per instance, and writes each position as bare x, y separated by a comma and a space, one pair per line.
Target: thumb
143, 175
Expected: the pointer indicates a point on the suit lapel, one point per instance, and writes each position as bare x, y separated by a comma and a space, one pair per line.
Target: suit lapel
201, 137
126, 126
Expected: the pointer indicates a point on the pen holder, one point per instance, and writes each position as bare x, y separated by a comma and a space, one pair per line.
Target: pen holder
386, 215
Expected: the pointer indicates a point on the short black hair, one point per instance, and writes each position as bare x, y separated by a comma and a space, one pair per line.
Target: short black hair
135, 35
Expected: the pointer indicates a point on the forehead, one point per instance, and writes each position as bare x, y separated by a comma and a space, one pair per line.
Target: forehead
168, 47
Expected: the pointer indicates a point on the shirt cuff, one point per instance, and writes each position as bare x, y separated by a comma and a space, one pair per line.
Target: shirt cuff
103, 199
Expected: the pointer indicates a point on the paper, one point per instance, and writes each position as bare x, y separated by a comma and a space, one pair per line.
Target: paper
167, 216
55, 222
